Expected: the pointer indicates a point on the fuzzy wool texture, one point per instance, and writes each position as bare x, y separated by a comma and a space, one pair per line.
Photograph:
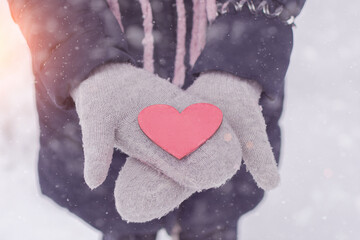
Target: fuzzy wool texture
143, 194
179, 67
239, 101
198, 32
148, 40
109, 119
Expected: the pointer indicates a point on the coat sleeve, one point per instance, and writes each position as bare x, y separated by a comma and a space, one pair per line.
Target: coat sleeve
67, 40
251, 46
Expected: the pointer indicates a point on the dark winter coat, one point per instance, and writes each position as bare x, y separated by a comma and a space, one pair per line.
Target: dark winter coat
69, 38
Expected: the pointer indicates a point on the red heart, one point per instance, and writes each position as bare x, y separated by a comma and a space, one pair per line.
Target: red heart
180, 133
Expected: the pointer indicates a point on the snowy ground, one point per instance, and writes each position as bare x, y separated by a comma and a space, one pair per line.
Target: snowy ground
319, 197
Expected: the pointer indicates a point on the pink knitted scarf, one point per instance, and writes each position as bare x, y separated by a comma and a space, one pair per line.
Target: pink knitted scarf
204, 11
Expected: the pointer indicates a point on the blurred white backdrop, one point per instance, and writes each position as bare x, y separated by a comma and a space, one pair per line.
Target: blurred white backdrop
319, 197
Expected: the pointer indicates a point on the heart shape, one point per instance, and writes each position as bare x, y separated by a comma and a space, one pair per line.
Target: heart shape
180, 133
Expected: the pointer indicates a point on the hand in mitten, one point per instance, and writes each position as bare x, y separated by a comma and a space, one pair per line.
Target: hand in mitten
143, 193
108, 104
239, 101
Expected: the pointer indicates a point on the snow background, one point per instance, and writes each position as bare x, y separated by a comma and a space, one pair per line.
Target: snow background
319, 197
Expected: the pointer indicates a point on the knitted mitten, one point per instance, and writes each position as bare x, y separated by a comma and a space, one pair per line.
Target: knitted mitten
157, 195
143, 193
239, 101
108, 104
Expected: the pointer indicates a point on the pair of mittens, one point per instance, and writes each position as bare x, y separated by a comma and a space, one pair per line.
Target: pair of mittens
152, 182
108, 104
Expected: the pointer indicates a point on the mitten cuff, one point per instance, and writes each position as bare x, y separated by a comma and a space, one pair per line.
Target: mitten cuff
227, 85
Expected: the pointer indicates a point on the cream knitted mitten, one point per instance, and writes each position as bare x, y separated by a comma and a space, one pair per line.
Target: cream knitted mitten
143, 193
239, 101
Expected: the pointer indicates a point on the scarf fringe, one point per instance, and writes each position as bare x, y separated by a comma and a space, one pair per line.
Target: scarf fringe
204, 11
179, 68
115, 9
